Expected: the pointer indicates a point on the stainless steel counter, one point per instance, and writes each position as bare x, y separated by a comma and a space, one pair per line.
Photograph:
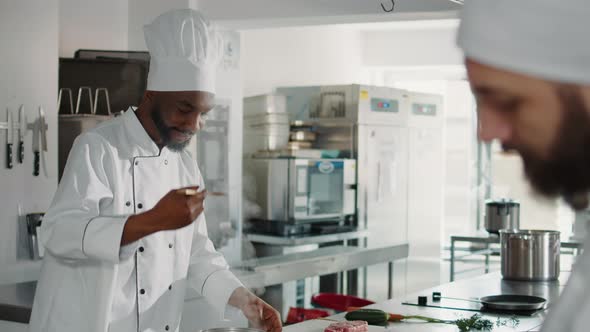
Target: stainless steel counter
16, 300
303, 240
278, 269
489, 284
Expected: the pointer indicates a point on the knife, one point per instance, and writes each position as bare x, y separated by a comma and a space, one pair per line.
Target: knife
22, 127
43, 129
39, 141
9, 138
36, 134
43, 138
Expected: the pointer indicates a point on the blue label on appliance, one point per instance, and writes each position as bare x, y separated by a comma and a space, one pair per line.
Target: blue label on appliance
328, 167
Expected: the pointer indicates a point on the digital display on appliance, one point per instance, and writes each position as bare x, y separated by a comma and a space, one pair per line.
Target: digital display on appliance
384, 105
424, 109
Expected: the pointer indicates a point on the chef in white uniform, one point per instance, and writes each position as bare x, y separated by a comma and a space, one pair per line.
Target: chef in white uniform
125, 235
528, 63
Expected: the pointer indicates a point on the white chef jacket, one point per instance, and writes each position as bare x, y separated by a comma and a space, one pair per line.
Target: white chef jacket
571, 312
88, 281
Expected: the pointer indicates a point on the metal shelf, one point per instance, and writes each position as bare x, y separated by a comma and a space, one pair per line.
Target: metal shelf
304, 240
275, 270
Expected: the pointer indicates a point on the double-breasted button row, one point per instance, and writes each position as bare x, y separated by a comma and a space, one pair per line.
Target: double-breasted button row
142, 248
139, 206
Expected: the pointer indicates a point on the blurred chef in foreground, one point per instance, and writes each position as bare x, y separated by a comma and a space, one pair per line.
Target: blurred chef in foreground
528, 63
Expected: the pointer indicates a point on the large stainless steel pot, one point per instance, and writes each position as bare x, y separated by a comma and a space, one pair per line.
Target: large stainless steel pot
530, 255
502, 214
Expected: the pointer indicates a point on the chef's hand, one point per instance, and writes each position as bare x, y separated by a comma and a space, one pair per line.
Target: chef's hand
259, 313
177, 209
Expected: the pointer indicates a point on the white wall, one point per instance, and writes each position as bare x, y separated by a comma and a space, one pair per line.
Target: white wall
28, 67
341, 54
92, 25
108, 24
412, 44
299, 56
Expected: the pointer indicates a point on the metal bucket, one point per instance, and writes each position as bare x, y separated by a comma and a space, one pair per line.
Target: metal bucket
530, 255
502, 214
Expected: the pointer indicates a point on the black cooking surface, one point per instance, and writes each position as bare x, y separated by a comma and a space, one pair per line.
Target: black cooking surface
466, 306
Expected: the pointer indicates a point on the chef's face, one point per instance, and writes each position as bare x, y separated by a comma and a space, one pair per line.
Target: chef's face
546, 123
178, 115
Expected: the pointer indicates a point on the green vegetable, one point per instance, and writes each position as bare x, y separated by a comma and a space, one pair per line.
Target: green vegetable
473, 323
477, 323
371, 316
510, 322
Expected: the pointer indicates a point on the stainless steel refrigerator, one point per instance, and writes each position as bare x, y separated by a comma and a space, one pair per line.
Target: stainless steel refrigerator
378, 127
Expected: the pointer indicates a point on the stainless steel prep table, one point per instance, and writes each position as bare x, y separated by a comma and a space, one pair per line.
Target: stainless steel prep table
488, 284
278, 269
16, 300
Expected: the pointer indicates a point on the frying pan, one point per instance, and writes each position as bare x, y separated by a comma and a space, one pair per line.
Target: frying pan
508, 302
513, 302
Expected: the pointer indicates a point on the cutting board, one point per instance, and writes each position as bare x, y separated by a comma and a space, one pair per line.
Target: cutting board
319, 325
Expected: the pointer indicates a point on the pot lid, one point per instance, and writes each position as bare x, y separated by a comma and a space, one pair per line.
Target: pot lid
502, 203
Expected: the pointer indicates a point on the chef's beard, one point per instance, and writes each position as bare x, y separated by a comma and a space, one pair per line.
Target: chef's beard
164, 131
567, 171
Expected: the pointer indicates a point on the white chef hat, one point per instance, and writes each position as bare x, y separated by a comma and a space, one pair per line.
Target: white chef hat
184, 49
548, 39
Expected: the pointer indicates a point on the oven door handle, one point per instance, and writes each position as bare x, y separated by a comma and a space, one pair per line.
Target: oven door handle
379, 182
286, 206
350, 187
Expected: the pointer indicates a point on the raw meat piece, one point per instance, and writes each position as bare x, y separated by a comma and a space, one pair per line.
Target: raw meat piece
352, 326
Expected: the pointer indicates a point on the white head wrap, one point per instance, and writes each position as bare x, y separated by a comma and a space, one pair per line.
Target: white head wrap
184, 50
549, 39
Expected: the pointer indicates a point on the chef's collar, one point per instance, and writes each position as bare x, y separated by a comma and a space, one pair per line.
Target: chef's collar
141, 143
